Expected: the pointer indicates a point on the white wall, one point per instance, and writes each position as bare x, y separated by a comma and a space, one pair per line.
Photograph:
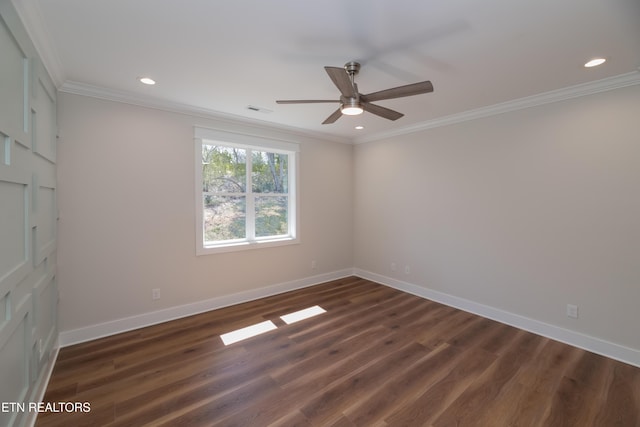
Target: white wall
126, 201
523, 212
28, 291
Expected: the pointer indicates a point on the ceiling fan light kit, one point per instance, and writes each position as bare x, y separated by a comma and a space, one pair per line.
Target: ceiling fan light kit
353, 102
351, 107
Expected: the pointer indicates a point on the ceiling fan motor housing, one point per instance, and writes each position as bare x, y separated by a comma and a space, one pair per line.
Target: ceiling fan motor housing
352, 67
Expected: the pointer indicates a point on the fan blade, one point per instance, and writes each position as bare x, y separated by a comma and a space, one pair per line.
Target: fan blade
306, 101
333, 117
399, 92
342, 81
381, 111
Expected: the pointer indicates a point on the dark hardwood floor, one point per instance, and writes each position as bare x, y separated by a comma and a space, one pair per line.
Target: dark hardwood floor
377, 357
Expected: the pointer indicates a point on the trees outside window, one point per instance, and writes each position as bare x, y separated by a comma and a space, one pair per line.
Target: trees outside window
246, 194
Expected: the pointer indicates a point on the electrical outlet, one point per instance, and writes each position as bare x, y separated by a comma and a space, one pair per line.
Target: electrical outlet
572, 311
155, 293
313, 264
407, 269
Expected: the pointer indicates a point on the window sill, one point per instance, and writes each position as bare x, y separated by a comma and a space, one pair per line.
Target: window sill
244, 246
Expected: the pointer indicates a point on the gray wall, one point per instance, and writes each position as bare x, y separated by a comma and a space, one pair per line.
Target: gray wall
28, 216
127, 219
524, 212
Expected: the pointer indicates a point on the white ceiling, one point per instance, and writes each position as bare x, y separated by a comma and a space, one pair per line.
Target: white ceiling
221, 56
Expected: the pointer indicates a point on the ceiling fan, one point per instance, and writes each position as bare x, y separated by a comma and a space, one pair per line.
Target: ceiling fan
353, 103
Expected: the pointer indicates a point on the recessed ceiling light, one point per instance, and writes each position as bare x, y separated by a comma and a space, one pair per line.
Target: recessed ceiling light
359, 127
595, 62
147, 80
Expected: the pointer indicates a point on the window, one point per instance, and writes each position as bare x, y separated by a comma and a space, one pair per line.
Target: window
245, 191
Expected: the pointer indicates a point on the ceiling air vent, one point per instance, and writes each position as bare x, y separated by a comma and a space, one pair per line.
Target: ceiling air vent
259, 109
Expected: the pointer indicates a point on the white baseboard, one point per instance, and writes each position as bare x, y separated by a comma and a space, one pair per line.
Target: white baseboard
117, 326
38, 393
576, 339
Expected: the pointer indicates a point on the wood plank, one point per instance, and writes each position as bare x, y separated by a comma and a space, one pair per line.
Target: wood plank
622, 403
435, 398
377, 357
404, 387
481, 392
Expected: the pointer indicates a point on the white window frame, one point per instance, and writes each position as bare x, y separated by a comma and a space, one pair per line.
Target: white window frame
230, 139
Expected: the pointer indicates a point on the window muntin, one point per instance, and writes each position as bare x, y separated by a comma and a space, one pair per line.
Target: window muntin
247, 195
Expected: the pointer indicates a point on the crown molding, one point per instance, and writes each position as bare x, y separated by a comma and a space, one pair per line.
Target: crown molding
30, 15
576, 91
584, 89
31, 18
83, 89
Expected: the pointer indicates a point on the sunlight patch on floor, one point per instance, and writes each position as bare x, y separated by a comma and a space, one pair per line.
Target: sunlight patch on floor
248, 332
302, 314
268, 325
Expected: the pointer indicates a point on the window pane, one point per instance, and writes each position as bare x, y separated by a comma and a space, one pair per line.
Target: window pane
270, 173
271, 215
224, 169
224, 218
